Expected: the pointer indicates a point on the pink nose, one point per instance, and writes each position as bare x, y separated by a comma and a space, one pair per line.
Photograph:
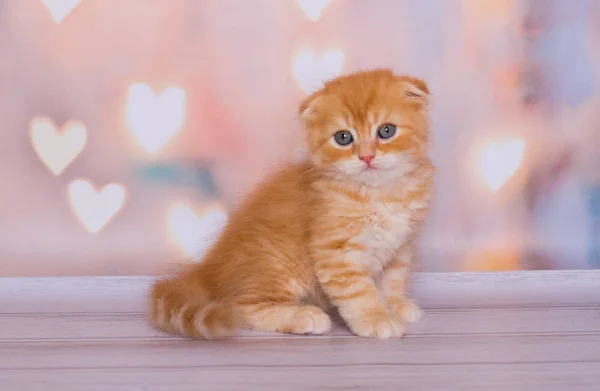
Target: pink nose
367, 159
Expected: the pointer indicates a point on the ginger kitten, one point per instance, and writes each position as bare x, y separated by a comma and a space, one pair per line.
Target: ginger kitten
338, 229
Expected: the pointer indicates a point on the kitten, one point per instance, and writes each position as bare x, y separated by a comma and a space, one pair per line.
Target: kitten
337, 229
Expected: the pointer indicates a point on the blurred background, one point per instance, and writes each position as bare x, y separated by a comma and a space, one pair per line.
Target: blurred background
130, 128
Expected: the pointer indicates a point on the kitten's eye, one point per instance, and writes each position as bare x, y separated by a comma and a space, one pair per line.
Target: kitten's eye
343, 137
386, 131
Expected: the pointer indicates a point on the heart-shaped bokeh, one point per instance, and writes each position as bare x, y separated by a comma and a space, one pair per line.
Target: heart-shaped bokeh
59, 9
499, 160
313, 8
95, 208
195, 232
57, 149
310, 71
154, 118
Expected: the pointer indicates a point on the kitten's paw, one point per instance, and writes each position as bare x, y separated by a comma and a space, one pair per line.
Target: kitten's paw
407, 310
377, 325
311, 320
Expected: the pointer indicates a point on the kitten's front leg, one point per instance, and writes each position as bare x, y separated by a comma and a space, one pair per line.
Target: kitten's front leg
351, 288
393, 285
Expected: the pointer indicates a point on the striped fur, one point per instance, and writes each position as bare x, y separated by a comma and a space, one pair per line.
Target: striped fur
326, 232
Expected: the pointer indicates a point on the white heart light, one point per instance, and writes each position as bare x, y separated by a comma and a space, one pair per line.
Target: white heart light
194, 233
95, 208
57, 150
499, 160
313, 8
154, 119
310, 72
59, 9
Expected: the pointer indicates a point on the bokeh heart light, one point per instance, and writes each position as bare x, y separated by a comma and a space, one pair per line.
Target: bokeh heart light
59, 9
313, 8
195, 232
154, 118
95, 208
57, 148
310, 70
497, 161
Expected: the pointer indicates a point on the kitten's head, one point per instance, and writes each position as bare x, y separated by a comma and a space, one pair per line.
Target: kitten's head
369, 126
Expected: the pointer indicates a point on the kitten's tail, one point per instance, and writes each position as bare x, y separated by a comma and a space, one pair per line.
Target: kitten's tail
180, 306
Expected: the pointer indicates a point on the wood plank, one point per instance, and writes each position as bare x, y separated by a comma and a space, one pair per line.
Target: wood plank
66, 327
483, 331
471, 377
299, 351
432, 290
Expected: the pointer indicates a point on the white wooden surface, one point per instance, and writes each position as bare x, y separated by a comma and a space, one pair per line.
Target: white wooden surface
501, 331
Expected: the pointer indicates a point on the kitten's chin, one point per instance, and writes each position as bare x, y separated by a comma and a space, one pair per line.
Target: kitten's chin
376, 177
365, 176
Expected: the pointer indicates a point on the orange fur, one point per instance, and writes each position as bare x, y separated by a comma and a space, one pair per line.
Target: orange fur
324, 232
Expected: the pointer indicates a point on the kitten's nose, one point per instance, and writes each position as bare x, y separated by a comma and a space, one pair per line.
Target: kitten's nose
367, 158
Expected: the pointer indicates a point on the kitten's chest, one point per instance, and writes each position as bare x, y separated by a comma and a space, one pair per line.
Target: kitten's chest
385, 227
384, 222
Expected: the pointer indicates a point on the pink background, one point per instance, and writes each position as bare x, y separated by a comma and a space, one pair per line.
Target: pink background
234, 59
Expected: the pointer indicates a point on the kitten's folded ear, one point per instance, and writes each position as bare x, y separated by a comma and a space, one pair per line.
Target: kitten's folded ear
308, 107
415, 89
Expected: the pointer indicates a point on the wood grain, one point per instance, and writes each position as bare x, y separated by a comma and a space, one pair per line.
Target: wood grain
460, 322
300, 351
472, 377
433, 290
503, 331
